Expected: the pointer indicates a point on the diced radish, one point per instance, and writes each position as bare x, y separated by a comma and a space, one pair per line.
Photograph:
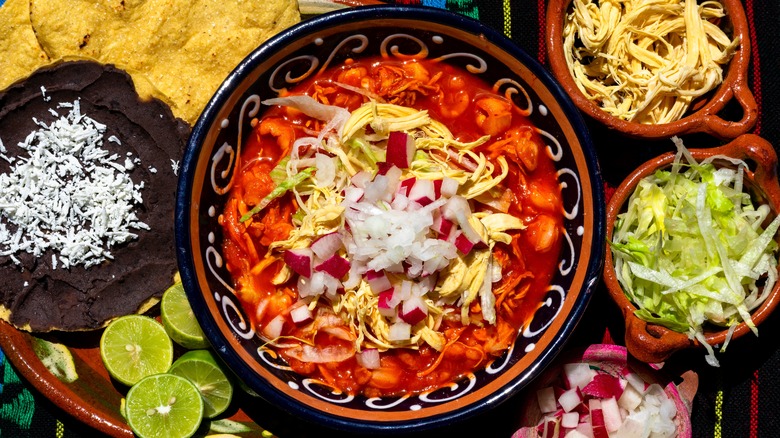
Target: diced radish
399, 331
327, 245
603, 386
546, 399
422, 192
437, 188
414, 310
630, 399
463, 244
274, 327
299, 260
368, 358
301, 314
636, 381
577, 374
406, 186
400, 149
570, 399
611, 412
382, 167
386, 306
378, 281
449, 187
336, 266
551, 428
570, 420
442, 226
597, 422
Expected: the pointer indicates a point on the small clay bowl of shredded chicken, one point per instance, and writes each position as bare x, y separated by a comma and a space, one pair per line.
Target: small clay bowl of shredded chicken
654, 69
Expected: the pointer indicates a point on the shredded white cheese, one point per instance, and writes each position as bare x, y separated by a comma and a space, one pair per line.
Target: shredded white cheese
68, 195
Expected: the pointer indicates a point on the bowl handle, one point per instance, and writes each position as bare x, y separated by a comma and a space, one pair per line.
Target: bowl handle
754, 148
652, 343
721, 128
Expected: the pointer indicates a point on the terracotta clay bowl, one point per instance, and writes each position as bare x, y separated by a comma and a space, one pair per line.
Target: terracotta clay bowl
701, 117
651, 342
391, 31
614, 359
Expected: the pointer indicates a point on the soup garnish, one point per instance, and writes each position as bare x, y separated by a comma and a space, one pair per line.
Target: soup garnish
392, 225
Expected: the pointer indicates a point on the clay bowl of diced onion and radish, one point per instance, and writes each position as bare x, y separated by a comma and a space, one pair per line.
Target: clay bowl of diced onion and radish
389, 219
708, 278
601, 391
655, 71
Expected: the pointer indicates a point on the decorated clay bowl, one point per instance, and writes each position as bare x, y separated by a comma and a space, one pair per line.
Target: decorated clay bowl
614, 360
703, 116
654, 343
390, 32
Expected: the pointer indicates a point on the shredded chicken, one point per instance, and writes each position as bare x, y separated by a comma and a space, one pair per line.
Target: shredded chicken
646, 61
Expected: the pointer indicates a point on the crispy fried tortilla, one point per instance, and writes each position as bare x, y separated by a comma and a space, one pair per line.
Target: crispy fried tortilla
178, 51
37, 294
20, 53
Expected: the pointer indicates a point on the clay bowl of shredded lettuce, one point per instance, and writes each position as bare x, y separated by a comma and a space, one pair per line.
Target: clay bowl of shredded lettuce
694, 246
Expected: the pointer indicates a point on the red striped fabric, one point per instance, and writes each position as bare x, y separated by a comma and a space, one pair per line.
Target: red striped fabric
756, 78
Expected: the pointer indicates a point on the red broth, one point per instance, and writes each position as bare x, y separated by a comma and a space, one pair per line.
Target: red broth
461, 102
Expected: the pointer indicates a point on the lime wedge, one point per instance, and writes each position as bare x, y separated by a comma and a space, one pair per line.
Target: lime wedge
202, 369
164, 406
135, 346
179, 321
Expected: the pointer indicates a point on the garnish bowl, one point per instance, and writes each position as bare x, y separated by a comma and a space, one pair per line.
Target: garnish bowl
615, 360
394, 32
653, 343
706, 115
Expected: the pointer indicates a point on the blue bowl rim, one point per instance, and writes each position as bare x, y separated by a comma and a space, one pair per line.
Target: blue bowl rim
184, 203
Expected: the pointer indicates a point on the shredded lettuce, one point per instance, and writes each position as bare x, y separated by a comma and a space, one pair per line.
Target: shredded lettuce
691, 249
280, 189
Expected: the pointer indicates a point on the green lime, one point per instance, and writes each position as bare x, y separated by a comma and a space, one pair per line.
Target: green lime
179, 321
135, 346
201, 368
164, 406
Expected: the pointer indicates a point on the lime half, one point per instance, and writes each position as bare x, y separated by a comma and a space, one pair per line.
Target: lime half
179, 321
164, 406
135, 346
202, 369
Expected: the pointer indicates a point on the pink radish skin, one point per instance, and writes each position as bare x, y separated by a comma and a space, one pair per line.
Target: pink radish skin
603, 386
299, 260
378, 281
336, 266
400, 149
463, 244
386, 308
422, 192
413, 311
